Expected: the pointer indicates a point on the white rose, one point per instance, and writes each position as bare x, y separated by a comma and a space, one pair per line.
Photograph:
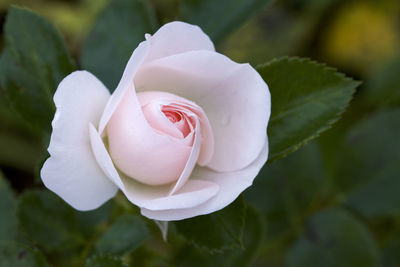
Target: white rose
183, 134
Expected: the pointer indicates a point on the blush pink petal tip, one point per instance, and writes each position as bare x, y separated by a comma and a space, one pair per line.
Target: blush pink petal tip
71, 171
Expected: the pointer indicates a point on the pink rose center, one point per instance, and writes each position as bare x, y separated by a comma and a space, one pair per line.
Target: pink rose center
153, 142
174, 117
179, 120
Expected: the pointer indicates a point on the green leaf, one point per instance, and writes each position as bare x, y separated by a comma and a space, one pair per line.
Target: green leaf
18, 255
8, 208
126, 234
379, 197
390, 252
150, 255
90, 221
333, 238
34, 60
104, 261
62, 232
252, 238
286, 188
48, 221
307, 98
18, 151
371, 162
383, 86
118, 31
217, 231
219, 18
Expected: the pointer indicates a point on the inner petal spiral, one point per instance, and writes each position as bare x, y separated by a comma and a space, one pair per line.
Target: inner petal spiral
179, 119
174, 117
152, 135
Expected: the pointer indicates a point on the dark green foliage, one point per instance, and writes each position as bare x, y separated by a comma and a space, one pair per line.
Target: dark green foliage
33, 62
285, 189
383, 87
217, 231
104, 261
8, 208
126, 234
333, 238
219, 18
90, 221
18, 255
253, 236
374, 163
238, 256
390, 252
48, 221
117, 32
51, 223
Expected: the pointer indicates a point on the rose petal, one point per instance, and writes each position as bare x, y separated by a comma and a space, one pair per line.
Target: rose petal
234, 97
102, 157
158, 121
193, 192
231, 184
175, 38
139, 151
172, 38
72, 171
124, 84
191, 162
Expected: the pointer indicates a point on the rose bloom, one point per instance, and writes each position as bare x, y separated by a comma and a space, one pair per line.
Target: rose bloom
183, 134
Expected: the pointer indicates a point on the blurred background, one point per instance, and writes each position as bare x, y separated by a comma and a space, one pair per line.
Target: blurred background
337, 199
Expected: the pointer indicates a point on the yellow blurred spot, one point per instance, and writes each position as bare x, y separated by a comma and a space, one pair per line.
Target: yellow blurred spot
361, 37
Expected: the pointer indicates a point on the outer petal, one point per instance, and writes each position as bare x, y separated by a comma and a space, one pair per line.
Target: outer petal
231, 185
175, 38
172, 38
192, 194
124, 84
72, 171
234, 97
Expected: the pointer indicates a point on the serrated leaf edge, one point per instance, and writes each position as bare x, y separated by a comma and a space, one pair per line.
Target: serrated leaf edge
330, 123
